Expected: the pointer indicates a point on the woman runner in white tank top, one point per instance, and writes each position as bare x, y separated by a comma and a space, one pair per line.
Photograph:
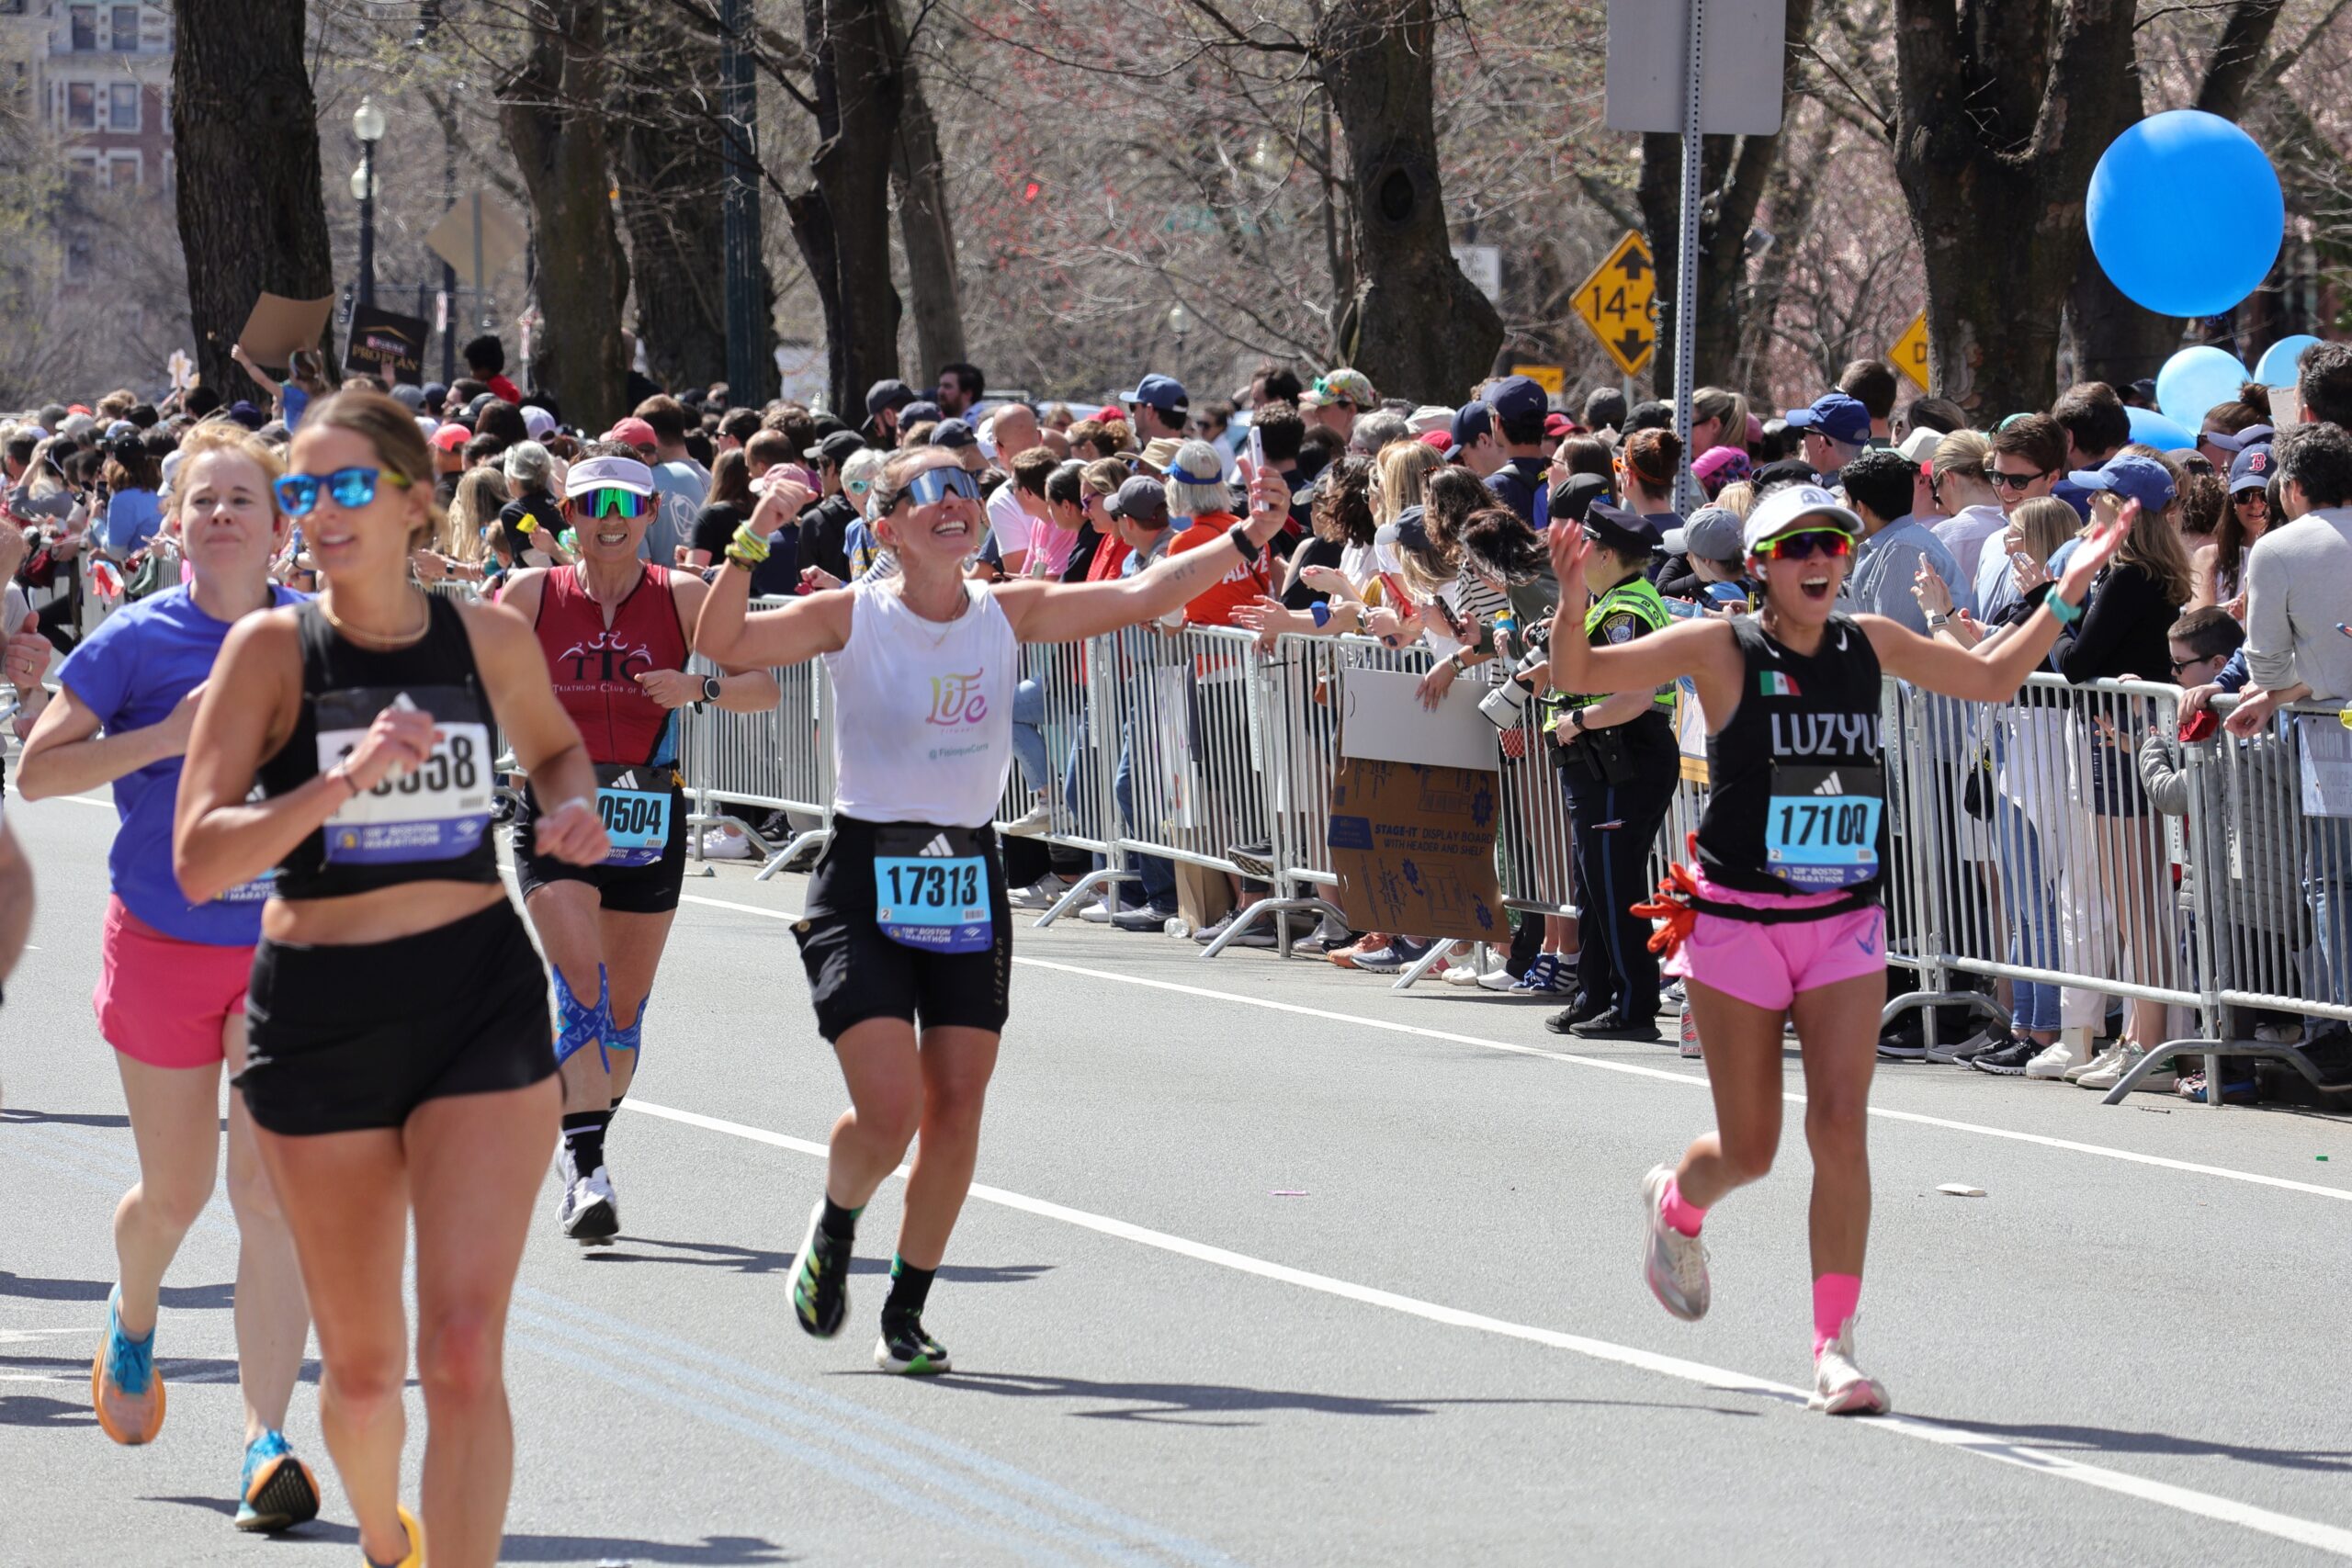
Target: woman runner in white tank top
907, 936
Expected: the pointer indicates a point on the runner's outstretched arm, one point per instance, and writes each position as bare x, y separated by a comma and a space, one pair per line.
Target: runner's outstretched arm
1992, 672
729, 633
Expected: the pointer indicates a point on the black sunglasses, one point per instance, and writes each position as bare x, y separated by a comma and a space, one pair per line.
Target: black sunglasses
2016, 481
2259, 499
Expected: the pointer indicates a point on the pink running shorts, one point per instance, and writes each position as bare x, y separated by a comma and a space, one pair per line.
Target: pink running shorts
1767, 965
163, 1001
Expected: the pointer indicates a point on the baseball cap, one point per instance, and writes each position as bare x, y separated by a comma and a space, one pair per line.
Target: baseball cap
1786, 508
1516, 398
1919, 447
2252, 469
1438, 441
2252, 436
408, 396
953, 433
888, 393
1430, 417
1607, 523
1410, 531
451, 437
1720, 466
2142, 480
1788, 471
837, 447
1712, 534
608, 473
1353, 386
631, 431
1141, 498
1470, 422
537, 422
241, 411
1558, 426
1162, 393
922, 411
1655, 413
1836, 415
1575, 496
434, 393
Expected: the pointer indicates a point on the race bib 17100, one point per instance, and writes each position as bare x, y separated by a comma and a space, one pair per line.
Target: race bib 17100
1821, 832
435, 812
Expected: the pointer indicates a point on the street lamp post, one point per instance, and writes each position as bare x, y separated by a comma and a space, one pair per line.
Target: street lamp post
1180, 322
368, 125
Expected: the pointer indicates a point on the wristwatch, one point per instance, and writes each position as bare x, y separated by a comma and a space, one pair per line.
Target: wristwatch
1937, 622
710, 688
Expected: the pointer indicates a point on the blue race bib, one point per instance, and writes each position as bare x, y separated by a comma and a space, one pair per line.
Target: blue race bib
935, 900
437, 812
636, 818
1821, 830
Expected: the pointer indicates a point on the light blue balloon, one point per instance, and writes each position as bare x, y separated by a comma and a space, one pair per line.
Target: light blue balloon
2150, 428
2184, 213
2278, 366
2198, 379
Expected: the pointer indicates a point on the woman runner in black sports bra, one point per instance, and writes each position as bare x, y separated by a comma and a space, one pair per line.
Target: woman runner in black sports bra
401, 1054
1782, 918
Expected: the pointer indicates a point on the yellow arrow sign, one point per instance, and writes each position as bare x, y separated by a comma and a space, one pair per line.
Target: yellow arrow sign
1619, 303
1909, 353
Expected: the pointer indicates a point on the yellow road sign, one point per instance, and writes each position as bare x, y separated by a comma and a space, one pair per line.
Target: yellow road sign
1551, 378
1619, 303
1909, 353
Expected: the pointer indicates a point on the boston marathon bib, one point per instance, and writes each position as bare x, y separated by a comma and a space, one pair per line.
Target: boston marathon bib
635, 805
1821, 830
435, 812
931, 889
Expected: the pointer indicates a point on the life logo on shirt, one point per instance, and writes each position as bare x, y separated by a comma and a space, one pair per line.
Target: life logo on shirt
958, 699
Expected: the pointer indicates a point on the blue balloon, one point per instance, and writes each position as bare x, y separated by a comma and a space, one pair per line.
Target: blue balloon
2152, 428
2184, 213
2278, 366
2196, 379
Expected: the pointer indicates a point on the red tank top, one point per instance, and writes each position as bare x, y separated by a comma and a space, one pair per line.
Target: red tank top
594, 667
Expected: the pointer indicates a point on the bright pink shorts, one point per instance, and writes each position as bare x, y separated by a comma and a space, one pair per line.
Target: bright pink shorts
1767, 965
163, 1001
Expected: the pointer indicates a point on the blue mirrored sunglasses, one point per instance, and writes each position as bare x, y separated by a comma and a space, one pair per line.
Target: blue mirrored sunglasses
933, 483
297, 494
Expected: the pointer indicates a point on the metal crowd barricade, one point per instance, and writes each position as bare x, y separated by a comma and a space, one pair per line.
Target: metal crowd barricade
508, 795
777, 759
1059, 789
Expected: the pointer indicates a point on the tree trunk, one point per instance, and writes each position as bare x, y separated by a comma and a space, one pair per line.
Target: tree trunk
926, 225
843, 220
552, 107
1795, 189
2001, 113
1416, 325
244, 131
669, 165
1733, 172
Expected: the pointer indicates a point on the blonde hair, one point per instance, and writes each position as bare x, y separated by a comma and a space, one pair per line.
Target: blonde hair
1964, 452
392, 431
1405, 468
475, 506
224, 435
1738, 497
2044, 524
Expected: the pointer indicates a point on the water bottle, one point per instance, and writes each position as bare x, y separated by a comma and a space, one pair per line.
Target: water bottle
1690, 1033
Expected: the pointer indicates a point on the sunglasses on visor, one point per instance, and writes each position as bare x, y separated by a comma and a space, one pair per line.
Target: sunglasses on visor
297, 494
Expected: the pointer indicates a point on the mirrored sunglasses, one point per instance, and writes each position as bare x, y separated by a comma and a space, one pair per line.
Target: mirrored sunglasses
933, 483
1834, 543
611, 501
297, 494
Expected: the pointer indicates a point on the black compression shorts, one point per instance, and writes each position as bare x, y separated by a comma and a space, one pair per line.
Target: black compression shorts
855, 972
630, 889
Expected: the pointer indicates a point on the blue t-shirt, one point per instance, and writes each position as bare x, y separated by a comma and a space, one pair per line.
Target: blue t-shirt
295, 401
133, 517
131, 672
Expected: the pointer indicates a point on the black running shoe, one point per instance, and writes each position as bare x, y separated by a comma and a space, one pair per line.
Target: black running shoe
1582, 1010
905, 1348
821, 1279
2007, 1061
1616, 1026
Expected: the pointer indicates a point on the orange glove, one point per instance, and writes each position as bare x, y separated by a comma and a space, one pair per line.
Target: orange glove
1669, 907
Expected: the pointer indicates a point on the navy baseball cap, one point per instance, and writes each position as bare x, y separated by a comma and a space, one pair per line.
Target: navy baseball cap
1836, 415
1162, 393
1410, 531
889, 393
2253, 468
953, 433
1516, 398
2251, 436
1470, 422
922, 410
2142, 480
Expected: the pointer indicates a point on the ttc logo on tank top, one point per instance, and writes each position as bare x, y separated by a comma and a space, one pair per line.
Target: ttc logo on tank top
608, 657
958, 699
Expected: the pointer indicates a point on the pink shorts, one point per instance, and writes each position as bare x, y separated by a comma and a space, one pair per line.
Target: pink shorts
1767, 965
163, 1001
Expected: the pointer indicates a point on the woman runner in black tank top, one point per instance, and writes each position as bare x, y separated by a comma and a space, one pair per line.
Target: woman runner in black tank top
400, 1055
1782, 919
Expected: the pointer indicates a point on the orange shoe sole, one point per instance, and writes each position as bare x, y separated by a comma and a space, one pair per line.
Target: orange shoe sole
97, 1403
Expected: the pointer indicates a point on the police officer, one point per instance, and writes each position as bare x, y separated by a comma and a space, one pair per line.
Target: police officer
1619, 763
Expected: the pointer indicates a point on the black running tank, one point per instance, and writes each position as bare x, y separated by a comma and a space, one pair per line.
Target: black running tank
1797, 802
431, 825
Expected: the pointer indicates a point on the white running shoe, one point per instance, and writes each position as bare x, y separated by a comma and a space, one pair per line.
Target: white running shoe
2097, 1064
1463, 974
1097, 913
2054, 1060
1033, 822
1841, 1388
590, 1214
1673, 1265
721, 844
2125, 1058
1042, 893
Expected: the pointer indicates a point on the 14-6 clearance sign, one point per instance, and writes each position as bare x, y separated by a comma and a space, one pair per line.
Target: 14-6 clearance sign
1619, 304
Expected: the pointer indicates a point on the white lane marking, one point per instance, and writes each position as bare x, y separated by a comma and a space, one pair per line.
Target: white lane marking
80, 800
2225, 1510
1689, 1080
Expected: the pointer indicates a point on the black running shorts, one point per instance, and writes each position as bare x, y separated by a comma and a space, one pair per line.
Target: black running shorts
630, 889
855, 972
345, 1038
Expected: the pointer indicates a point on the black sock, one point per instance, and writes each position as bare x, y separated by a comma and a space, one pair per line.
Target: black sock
839, 1223
909, 1288
583, 1137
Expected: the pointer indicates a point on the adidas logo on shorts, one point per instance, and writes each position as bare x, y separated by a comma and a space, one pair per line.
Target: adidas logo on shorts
1830, 786
939, 846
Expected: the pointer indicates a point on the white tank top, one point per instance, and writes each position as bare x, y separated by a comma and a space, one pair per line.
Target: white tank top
923, 726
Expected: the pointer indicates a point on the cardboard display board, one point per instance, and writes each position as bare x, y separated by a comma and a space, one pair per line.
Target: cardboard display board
1383, 721
1414, 848
278, 326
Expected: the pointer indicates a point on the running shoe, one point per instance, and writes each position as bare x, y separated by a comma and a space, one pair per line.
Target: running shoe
821, 1279
2097, 1064
276, 1491
1253, 860
1097, 913
1989, 1038
2237, 1092
1042, 893
2053, 1060
721, 844
1582, 1010
1324, 938
2007, 1061
1467, 973
2124, 1058
1498, 979
125, 1387
1543, 979
415, 1558
1216, 927
1614, 1025
1142, 918
905, 1348
1906, 1042
590, 1214
1673, 1265
1033, 822
1841, 1388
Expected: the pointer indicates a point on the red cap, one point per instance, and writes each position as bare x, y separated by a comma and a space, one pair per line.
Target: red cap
1555, 425
632, 431
452, 437
77, 408
1439, 441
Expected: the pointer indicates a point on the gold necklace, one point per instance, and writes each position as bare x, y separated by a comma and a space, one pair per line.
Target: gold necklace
375, 639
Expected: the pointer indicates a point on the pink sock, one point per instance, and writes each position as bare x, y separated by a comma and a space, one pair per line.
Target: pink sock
1835, 1297
1682, 1216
